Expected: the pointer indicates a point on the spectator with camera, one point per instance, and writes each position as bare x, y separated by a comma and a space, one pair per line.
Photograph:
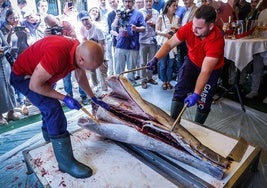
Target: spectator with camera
167, 24
148, 43
92, 31
7, 97
128, 23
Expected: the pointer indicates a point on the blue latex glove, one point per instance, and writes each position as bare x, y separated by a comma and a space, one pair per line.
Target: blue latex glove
191, 100
72, 103
152, 64
100, 103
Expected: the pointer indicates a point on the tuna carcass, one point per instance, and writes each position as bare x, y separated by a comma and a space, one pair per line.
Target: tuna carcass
134, 120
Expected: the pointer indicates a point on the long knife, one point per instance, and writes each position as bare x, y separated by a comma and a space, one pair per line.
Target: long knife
132, 70
178, 119
90, 115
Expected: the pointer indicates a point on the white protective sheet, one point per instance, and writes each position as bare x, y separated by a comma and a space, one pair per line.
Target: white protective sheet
226, 116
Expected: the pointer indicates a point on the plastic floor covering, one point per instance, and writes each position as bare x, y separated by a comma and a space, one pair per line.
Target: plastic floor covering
226, 117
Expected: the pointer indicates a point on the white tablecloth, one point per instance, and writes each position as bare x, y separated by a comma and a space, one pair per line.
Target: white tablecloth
241, 51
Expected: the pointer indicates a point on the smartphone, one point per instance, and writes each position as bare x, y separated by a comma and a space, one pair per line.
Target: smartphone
149, 11
70, 4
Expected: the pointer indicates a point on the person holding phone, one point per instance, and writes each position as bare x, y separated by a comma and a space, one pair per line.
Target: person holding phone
166, 25
148, 44
17, 41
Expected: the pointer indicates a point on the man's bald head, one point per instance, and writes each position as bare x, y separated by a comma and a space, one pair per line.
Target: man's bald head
89, 55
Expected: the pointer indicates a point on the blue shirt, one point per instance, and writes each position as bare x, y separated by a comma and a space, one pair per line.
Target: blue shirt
127, 38
180, 11
159, 5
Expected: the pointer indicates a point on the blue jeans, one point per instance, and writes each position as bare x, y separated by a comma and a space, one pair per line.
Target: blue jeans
53, 117
166, 69
68, 86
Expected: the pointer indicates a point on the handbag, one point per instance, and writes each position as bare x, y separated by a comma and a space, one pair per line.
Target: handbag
10, 58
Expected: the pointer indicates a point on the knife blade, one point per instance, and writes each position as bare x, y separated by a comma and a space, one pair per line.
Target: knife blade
90, 115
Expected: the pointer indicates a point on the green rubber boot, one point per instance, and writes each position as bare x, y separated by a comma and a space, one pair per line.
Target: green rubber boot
66, 161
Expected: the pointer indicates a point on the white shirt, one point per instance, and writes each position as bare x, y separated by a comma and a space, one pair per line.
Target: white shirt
94, 33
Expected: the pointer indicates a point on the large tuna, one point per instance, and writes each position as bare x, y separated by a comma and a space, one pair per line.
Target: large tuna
135, 121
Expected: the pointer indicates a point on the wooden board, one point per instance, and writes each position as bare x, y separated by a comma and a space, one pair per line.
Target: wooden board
223, 145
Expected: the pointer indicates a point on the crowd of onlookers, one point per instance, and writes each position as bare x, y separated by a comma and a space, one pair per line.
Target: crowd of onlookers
129, 31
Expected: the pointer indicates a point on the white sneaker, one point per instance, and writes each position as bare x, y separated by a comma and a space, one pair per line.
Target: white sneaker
252, 94
24, 110
265, 100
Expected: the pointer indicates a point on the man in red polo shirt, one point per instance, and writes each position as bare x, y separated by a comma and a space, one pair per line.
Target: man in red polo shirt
34, 74
202, 67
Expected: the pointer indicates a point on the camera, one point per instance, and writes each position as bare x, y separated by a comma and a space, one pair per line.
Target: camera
171, 33
125, 15
19, 28
56, 30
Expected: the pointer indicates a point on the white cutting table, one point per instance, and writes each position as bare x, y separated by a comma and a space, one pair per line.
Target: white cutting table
115, 167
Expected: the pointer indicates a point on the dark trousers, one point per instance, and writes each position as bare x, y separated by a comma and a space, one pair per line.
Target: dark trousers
187, 77
53, 117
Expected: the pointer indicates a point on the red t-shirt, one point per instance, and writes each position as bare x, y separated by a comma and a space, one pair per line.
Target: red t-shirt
55, 53
211, 46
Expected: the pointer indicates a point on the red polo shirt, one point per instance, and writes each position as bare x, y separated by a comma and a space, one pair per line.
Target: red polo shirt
55, 53
211, 46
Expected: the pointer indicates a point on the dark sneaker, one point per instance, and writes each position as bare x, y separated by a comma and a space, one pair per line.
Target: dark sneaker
85, 100
137, 77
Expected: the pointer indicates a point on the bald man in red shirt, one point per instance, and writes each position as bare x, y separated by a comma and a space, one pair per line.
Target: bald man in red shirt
34, 74
198, 77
